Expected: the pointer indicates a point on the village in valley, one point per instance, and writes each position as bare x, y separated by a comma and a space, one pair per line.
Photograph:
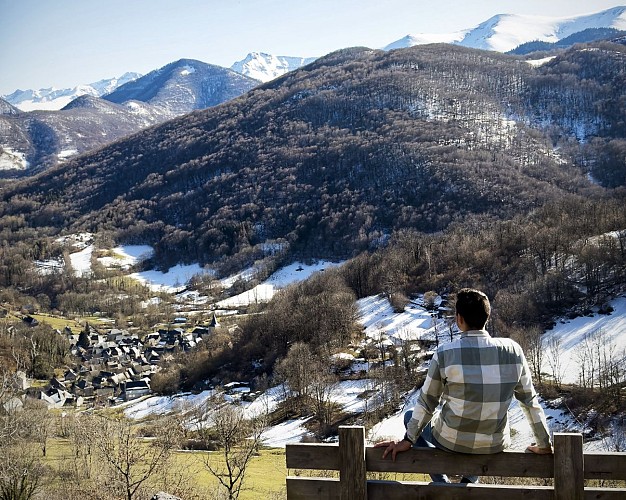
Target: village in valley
116, 365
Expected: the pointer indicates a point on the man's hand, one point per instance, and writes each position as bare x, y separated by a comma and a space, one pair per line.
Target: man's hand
393, 447
539, 450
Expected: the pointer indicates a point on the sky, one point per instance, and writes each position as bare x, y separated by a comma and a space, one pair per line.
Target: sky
63, 43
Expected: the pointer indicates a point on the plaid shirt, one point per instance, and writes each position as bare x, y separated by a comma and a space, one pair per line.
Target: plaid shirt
475, 378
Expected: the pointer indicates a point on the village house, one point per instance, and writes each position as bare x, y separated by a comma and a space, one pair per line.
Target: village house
134, 390
30, 321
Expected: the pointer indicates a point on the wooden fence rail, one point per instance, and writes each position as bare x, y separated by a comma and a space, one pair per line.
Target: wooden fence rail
569, 467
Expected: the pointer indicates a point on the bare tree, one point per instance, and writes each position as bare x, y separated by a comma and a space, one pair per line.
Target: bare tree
430, 299
7, 413
295, 370
554, 359
39, 421
531, 342
383, 344
616, 440
407, 356
21, 473
587, 364
129, 460
238, 440
322, 385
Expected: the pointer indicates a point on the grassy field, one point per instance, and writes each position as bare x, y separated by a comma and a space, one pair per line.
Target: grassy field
76, 325
265, 477
58, 322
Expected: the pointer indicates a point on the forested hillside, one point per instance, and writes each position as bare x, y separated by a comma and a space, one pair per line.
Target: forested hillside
333, 158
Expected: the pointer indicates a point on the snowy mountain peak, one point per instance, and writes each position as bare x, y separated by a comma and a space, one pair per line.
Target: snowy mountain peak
182, 86
266, 67
504, 32
423, 39
103, 87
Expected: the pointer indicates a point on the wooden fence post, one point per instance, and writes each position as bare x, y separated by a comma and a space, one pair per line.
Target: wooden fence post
569, 483
352, 470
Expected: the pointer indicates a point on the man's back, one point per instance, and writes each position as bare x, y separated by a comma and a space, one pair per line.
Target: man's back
476, 377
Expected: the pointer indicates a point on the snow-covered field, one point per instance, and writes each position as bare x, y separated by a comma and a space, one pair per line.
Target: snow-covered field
172, 280
347, 394
572, 334
160, 405
176, 278
264, 292
11, 159
126, 256
415, 323
81, 261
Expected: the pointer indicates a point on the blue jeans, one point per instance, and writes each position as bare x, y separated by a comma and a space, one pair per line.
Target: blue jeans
426, 440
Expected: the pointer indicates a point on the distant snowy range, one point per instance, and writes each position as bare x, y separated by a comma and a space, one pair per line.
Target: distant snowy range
502, 33
505, 32
52, 99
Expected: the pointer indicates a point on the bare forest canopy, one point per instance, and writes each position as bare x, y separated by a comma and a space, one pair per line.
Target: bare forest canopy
335, 157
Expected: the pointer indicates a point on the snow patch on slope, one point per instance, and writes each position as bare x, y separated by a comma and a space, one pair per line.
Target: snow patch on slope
11, 159
572, 334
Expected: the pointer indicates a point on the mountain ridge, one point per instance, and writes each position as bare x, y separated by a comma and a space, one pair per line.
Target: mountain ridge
504, 32
183, 86
334, 157
45, 138
265, 67
52, 99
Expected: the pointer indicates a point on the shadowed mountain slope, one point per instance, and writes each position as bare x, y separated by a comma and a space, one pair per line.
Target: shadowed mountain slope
183, 86
332, 158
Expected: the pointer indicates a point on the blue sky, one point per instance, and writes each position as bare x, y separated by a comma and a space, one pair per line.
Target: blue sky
62, 43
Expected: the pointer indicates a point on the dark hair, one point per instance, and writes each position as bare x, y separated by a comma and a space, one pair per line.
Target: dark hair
474, 306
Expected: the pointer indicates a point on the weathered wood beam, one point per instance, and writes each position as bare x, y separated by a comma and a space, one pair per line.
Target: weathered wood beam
569, 483
426, 460
605, 466
309, 488
401, 490
352, 471
312, 456
432, 460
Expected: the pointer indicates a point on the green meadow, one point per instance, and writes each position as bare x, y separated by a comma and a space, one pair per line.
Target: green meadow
265, 477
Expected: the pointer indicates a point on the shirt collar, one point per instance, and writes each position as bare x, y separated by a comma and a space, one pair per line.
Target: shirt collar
475, 333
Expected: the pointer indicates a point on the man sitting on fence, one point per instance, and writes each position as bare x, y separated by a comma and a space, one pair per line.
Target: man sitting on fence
473, 380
